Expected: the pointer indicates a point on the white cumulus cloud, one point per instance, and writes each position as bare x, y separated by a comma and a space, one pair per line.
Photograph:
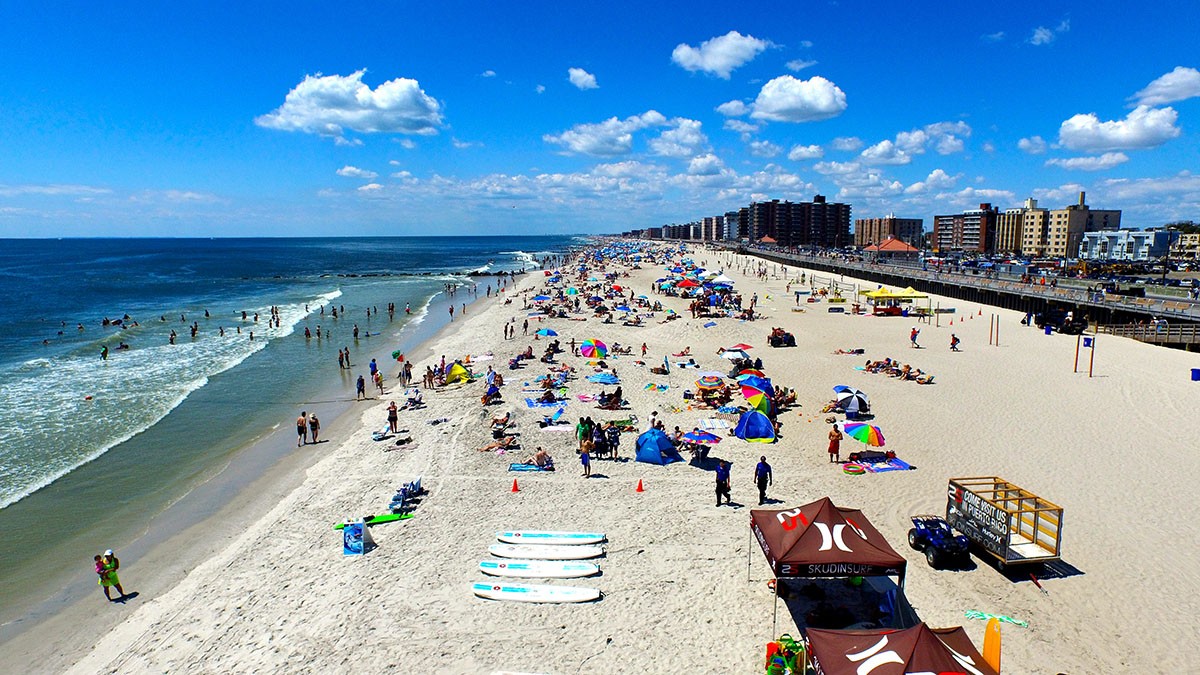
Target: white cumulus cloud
1034, 145
885, 152
581, 78
764, 149
721, 55
608, 138
802, 152
936, 180
370, 187
800, 64
685, 139
488, 73
331, 104
1178, 85
846, 143
705, 165
355, 172
787, 99
1143, 127
740, 126
733, 108
1106, 161
1041, 36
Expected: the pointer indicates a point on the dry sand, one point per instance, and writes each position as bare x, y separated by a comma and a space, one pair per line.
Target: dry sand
1113, 450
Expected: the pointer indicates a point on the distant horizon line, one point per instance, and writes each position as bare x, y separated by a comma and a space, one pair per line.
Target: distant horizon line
322, 236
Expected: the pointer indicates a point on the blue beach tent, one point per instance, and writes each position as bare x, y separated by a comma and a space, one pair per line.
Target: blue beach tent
755, 427
653, 447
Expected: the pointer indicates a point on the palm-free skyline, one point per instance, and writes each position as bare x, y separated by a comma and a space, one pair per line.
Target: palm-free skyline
472, 118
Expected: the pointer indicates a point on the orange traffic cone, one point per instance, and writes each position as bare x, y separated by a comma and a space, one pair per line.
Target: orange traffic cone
980, 311
639, 487
514, 487
951, 322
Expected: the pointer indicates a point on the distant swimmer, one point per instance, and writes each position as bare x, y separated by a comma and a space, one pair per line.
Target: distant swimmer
407, 308
104, 353
307, 333
206, 313
122, 346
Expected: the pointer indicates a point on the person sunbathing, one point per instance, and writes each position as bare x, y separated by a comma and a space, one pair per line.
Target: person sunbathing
506, 443
857, 352
501, 421
527, 354
549, 396
541, 459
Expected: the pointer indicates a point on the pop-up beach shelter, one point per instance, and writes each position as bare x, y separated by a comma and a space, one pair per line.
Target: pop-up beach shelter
653, 447
822, 540
755, 427
456, 372
919, 649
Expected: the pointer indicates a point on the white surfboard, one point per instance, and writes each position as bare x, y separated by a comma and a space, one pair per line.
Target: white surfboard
535, 552
534, 593
540, 569
550, 538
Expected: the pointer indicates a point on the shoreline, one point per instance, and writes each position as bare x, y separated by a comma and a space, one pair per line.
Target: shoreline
204, 520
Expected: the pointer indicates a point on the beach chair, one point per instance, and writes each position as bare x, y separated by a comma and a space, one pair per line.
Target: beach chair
553, 419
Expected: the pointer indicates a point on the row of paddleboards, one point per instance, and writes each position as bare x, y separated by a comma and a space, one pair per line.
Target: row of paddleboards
536, 554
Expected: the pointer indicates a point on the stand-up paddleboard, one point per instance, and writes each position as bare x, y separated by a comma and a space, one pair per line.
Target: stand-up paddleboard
381, 518
535, 593
535, 552
550, 538
540, 569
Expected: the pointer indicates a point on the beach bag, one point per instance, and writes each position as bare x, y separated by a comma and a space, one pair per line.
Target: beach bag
782, 655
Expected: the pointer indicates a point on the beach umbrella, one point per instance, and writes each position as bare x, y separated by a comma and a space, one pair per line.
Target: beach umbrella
734, 354
750, 371
849, 395
756, 383
547, 332
703, 437
864, 433
643, 297
759, 401
616, 287
688, 283
593, 349
572, 291
541, 298
622, 308
710, 382
741, 345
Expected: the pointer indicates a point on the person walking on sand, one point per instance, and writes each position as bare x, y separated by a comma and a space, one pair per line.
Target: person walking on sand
643, 350
314, 426
106, 567
954, 341
723, 482
302, 429
912, 337
835, 444
361, 388
763, 477
585, 456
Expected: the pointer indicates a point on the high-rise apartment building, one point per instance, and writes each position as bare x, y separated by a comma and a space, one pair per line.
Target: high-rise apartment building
1066, 226
869, 231
1014, 225
971, 231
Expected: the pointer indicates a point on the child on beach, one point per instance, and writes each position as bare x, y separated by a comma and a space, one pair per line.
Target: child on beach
912, 337
585, 457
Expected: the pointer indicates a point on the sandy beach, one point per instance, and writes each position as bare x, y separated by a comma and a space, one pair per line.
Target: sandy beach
685, 589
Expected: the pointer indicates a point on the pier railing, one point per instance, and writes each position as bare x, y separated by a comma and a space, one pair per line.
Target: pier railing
1161, 332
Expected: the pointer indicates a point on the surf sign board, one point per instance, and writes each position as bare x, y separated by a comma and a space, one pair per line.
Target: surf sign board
541, 569
550, 538
534, 593
541, 552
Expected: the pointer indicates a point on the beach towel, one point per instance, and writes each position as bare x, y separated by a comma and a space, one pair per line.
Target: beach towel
586, 398
893, 464
657, 387
529, 467
710, 324
713, 423
603, 378
543, 404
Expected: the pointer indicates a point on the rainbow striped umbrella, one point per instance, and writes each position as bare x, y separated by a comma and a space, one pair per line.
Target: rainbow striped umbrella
593, 349
751, 371
710, 382
754, 384
759, 401
701, 437
864, 433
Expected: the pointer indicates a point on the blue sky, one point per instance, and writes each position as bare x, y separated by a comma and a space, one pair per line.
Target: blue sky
195, 119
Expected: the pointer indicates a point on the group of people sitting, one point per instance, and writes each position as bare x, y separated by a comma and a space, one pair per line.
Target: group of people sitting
892, 368
781, 338
613, 401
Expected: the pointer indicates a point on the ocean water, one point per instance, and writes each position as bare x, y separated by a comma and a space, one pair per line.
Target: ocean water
97, 445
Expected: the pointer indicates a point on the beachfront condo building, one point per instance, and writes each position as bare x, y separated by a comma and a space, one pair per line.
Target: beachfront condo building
972, 231
1014, 225
1126, 245
868, 231
1187, 246
1057, 233
818, 223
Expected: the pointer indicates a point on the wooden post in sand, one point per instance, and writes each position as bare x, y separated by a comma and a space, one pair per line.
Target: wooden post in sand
991, 326
938, 316
997, 330
1092, 356
1078, 339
